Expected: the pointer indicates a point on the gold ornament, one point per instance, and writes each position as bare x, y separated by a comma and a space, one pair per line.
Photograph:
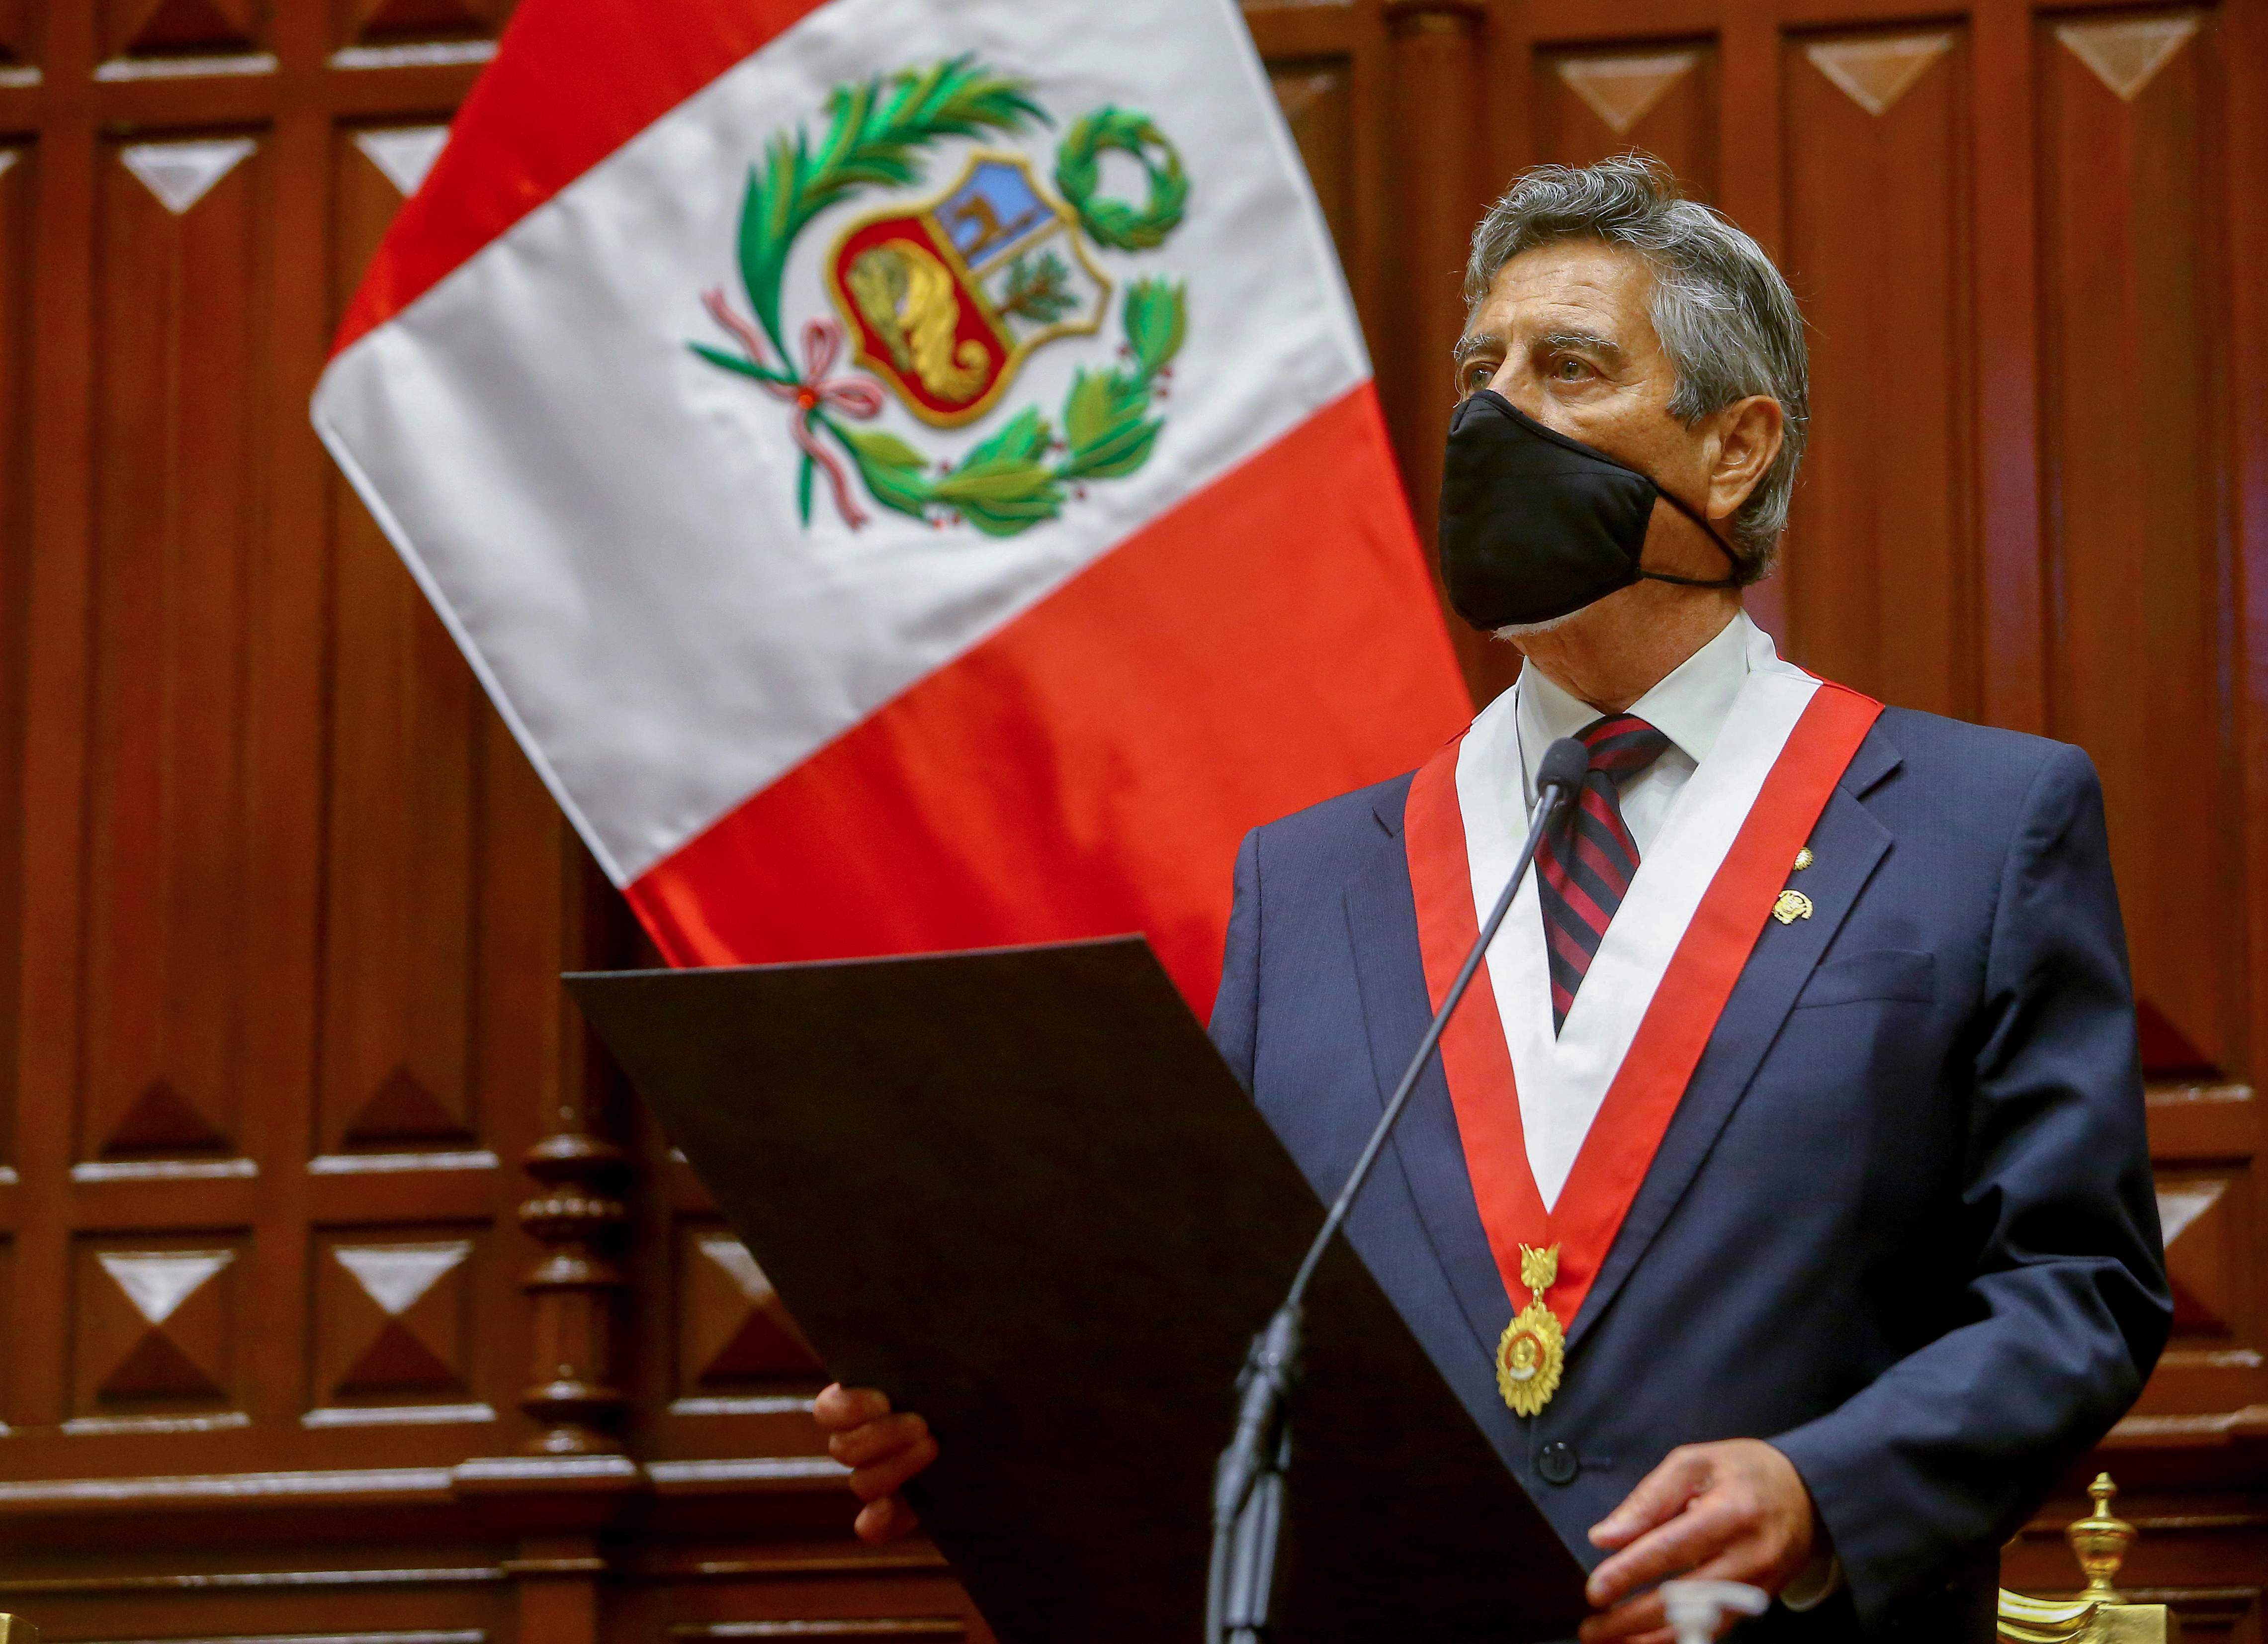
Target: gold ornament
1803, 858
1793, 905
1534, 1348
1539, 1270
2101, 1540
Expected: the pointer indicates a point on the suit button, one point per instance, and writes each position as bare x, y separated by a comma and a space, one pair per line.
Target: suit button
1557, 1462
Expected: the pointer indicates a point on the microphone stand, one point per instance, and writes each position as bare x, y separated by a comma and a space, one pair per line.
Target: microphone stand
1249, 1488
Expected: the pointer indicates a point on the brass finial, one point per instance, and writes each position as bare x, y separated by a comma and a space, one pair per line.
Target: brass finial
2099, 1542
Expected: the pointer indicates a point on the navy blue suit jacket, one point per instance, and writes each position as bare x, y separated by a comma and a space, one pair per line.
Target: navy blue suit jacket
1901, 1225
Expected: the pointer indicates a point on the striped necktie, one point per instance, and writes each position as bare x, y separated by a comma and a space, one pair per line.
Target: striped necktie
1587, 861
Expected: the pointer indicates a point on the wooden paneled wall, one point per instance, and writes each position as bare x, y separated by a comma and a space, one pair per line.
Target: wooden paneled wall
349, 1296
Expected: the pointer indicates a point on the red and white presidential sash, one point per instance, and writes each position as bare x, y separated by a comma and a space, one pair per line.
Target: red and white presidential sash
1559, 1132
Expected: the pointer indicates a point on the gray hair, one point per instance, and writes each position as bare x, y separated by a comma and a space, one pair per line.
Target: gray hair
1724, 315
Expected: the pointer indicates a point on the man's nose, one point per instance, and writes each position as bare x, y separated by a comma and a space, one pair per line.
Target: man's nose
1524, 389
1518, 386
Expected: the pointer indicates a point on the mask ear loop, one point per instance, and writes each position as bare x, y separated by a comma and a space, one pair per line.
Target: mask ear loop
1723, 547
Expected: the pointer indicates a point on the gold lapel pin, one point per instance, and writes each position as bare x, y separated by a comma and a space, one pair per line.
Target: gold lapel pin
1793, 905
1803, 858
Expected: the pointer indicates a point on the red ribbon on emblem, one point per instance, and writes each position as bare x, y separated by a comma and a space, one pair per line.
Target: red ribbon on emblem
813, 392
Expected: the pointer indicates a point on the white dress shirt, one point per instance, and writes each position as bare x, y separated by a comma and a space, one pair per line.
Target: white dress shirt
1689, 706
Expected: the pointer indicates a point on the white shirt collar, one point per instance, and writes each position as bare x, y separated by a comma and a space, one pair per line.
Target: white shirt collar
1690, 704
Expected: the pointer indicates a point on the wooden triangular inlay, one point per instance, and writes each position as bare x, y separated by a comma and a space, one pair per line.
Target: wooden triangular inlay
1623, 91
398, 1362
2167, 1052
2194, 1214
732, 1259
2127, 55
162, 1120
2179, 1208
402, 1110
174, 26
417, 19
1296, 93
404, 153
740, 1331
157, 1282
762, 1347
180, 173
1878, 70
397, 1276
157, 1368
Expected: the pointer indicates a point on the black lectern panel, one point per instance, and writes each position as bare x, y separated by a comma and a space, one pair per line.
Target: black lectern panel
1020, 1192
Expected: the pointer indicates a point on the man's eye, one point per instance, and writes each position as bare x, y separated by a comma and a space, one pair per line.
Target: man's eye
1475, 376
1569, 369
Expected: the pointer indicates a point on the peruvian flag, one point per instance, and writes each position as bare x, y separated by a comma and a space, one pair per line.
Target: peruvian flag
906, 470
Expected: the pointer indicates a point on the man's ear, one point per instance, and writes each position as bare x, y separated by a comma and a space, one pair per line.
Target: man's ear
1749, 436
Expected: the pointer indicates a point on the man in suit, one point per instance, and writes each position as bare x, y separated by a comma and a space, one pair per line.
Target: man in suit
1780, 1204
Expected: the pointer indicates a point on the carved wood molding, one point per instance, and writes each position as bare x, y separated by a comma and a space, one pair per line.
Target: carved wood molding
204, 1581
485, 1478
2215, 1429
676, 1565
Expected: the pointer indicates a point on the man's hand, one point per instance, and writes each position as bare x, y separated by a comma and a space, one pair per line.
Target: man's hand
1733, 1511
881, 1450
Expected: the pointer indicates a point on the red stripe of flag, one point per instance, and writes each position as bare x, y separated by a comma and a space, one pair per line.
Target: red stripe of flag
573, 80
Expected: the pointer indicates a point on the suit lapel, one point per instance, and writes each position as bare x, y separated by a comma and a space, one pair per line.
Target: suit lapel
1383, 928
1847, 844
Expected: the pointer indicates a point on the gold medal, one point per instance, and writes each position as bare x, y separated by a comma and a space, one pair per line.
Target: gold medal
1534, 1348
1793, 905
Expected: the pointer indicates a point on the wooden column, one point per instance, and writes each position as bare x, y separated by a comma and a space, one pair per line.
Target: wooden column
1435, 193
578, 1214
572, 1480
558, 1579
2012, 592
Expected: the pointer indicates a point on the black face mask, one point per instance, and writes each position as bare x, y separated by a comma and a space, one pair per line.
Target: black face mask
1536, 525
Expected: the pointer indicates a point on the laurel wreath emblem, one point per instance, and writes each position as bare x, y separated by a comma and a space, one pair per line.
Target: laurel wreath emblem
1078, 174
876, 133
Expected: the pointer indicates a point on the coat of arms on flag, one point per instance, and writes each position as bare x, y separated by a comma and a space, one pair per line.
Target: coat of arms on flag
943, 299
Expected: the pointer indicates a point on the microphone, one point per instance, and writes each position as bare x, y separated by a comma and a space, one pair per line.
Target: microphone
1247, 1506
1564, 766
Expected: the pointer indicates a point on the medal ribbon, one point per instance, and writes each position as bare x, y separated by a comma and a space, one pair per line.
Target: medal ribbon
1620, 1146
